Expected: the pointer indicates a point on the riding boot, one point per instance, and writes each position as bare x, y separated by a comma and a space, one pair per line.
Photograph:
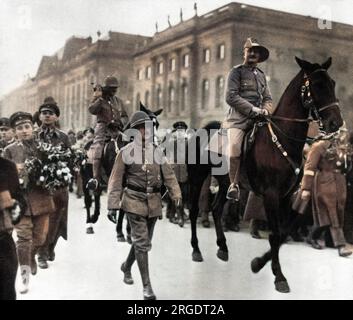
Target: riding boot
93, 183
254, 229
233, 192
142, 261
24, 283
126, 266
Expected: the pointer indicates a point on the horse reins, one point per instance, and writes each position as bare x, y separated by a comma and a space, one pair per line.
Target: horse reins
308, 104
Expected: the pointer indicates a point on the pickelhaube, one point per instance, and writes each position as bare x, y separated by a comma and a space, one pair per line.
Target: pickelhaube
111, 82
252, 43
50, 104
19, 118
139, 117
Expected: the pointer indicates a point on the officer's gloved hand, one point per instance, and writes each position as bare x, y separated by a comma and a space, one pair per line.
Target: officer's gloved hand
259, 113
112, 213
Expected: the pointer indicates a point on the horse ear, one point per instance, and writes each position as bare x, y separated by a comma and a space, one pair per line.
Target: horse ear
305, 65
142, 107
327, 64
158, 112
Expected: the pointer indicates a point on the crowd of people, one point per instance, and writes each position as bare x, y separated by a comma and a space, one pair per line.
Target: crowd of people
323, 198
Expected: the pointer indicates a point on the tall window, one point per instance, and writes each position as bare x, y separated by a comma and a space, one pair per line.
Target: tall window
219, 92
186, 60
205, 94
148, 72
221, 52
206, 55
160, 67
137, 102
147, 98
171, 98
159, 96
139, 74
184, 95
172, 65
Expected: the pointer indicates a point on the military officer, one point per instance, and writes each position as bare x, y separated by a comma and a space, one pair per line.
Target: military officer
7, 135
49, 114
248, 96
32, 229
325, 184
110, 111
143, 166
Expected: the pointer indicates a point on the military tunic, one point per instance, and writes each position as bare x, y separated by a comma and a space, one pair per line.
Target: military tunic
328, 188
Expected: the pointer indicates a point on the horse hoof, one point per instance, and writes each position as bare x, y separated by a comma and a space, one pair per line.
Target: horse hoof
197, 257
282, 286
223, 255
121, 238
256, 265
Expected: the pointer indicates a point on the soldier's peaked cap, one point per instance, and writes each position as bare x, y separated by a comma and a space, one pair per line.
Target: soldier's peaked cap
50, 104
19, 118
5, 122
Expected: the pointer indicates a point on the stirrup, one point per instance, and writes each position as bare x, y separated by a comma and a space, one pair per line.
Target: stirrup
233, 192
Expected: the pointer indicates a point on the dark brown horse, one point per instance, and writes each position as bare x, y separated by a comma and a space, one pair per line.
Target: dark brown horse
274, 162
273, 170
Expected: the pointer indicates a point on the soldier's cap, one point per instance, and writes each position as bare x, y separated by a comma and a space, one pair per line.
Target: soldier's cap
20, 118
252, 43
180, 125
91, 130
111, 82
50, 104
138, 118
5, 122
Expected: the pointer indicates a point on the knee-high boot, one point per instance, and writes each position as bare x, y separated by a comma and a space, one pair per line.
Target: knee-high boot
142, 261
234, 191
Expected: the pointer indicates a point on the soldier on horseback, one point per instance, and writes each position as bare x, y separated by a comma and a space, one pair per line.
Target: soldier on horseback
111, 114
248, 96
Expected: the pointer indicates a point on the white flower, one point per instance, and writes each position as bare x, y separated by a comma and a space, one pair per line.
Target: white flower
21, 181
41, 179
58, 172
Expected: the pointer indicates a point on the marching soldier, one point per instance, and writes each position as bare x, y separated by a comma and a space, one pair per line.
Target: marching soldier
248, 96
325, 184
141, 199
33, 227
49, 114
7, 135
110, 112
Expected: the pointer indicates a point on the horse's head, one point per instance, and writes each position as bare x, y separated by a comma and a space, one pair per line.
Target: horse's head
318, 94
152, 114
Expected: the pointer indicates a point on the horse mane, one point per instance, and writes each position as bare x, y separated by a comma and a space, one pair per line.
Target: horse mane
290, 93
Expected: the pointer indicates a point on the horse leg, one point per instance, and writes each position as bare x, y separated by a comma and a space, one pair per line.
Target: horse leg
97, 206
217, 210
195, 189
273, 208
119, 227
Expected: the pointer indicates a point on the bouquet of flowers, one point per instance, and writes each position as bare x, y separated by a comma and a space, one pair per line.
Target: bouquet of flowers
50, 168
79, 158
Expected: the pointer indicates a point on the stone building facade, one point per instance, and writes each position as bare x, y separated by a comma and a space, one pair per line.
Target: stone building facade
69, 74
184, 68
189, 63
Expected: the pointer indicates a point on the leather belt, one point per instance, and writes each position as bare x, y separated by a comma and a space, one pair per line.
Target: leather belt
144, 190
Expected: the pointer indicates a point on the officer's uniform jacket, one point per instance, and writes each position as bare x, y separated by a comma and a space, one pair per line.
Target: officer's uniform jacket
147, 176
39, 200
109, 110
53, 136
326, 183
247, 88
